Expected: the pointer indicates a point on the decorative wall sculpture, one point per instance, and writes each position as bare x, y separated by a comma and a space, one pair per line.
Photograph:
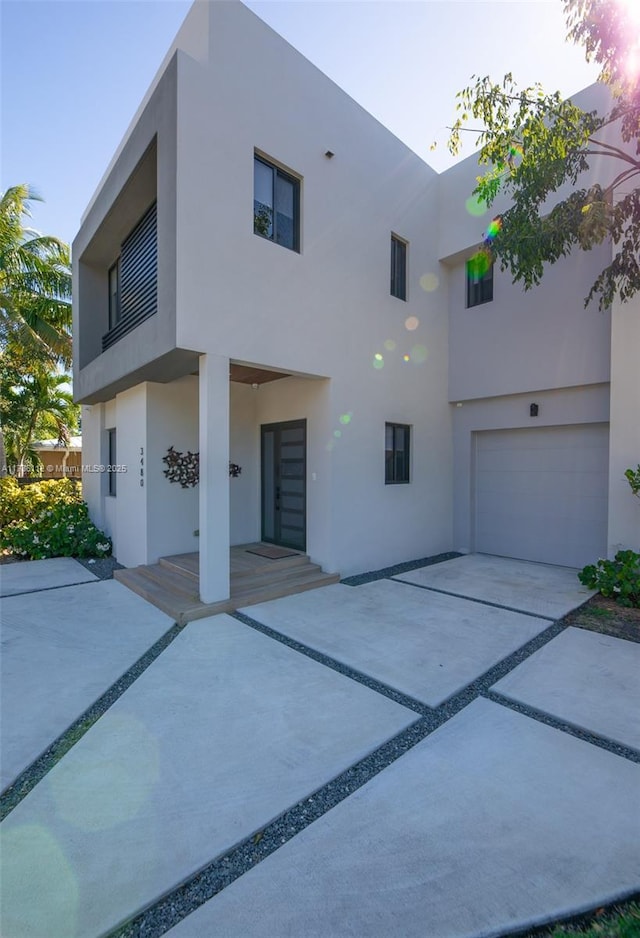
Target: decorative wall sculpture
185, 467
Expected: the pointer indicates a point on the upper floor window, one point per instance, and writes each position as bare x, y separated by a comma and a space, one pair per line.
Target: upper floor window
133, 280
114, 294
276, 204
398, 268
479, 271
112, 455
397, 437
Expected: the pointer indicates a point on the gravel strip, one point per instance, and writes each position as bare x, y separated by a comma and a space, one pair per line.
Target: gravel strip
102, 567
600, 741
472, 599
387, 572
410, 702
222, 871
28, 779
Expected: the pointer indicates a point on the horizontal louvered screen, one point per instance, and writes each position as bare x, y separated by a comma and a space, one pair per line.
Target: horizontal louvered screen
138, 278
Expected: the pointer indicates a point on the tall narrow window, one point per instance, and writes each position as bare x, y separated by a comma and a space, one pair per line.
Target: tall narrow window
398, 268
479, 269
396, 453
111, 452
114, 294
276, 204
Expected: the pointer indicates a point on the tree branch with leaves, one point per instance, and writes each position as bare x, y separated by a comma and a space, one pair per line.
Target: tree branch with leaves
535, 144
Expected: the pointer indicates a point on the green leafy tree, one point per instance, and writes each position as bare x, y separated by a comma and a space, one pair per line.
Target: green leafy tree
35, 403
35, 292
533, 144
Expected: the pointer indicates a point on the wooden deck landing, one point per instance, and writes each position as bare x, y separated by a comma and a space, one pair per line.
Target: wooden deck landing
172, 583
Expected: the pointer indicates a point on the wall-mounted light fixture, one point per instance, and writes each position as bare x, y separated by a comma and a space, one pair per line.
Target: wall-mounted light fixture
533, 410
329, 154
255, 386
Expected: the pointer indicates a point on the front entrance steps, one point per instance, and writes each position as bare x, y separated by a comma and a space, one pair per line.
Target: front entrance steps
172, 583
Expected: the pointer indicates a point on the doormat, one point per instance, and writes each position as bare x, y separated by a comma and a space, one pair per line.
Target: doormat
272, 553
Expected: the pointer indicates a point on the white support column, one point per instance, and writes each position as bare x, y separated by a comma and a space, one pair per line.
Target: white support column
214, 478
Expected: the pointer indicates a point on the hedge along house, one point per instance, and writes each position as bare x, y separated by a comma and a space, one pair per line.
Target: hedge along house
266, 276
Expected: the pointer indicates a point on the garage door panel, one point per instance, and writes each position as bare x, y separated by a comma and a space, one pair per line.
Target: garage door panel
544, 458
541, 493
528, 482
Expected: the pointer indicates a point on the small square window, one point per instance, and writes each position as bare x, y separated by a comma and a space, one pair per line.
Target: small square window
276, 204
479, 270
112, 457
398, 268
396, 453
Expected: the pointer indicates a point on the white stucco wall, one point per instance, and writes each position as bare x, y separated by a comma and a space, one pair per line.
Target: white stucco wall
529, 341
244, 450
624, 509
131, 535
172, 514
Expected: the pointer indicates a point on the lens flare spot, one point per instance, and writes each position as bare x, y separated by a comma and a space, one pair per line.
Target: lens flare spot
389, 345
406, 358
123, 769
337, 434
475, 206
330, 446
39, 885
411, 323
346, 418
493, 228
378, 361
419, 354
478, 265
429, 282
516, 152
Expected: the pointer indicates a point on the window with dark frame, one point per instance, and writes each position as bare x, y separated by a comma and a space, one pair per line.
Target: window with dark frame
114, 294
479, 272
276, 204
396, 453
111, 453
398, 268
133, 280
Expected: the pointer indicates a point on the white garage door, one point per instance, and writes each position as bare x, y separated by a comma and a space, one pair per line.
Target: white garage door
541, 494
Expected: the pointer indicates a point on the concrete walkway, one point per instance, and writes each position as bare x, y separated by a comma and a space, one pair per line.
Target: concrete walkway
422, 804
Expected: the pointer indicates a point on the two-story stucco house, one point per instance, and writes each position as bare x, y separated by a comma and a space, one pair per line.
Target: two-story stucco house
267, 276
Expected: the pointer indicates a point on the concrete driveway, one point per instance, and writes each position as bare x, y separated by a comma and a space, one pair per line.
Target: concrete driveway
431, 758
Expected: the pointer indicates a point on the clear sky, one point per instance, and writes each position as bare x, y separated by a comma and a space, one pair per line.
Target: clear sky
74, 71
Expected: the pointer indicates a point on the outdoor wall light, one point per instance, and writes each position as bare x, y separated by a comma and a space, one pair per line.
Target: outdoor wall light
533, 410
329, 155
255, 386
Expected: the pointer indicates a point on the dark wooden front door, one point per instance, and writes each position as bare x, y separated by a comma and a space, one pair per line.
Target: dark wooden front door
284, 483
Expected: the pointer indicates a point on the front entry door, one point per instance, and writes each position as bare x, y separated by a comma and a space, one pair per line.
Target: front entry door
284, 483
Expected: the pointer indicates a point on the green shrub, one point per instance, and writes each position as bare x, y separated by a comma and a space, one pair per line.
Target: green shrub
617, 579
48, 519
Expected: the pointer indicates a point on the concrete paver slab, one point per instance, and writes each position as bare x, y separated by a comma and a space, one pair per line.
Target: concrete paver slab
584, 678
494, 823
62, 649
537, 588
41, 574
221, 734
427, 645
